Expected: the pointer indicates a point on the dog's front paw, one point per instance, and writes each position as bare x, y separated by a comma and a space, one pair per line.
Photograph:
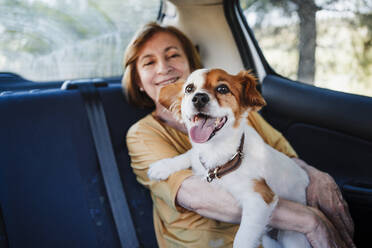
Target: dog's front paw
160, 170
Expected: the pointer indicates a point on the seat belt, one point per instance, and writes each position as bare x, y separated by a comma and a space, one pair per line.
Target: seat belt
115, 191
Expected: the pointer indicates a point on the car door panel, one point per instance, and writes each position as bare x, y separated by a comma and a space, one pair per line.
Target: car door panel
331, 131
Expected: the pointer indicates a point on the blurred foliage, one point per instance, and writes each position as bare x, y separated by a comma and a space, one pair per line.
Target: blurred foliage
263, 7
365, 55
344, 41
47, 40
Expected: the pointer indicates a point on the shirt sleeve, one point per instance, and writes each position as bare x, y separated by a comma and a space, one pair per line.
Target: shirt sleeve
270, 135
146, 145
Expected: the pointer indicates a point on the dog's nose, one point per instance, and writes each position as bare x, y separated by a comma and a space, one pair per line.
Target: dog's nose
200, 100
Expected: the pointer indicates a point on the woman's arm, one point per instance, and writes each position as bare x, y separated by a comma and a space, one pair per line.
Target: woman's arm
318, 229
323, 193
208, 200
215, 203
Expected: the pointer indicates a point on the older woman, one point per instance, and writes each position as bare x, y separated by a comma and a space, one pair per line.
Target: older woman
189, 212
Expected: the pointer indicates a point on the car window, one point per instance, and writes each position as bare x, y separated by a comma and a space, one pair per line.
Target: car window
46, 40
324, 43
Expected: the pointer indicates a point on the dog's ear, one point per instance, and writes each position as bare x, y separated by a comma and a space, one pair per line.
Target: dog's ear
251, 97
170, 96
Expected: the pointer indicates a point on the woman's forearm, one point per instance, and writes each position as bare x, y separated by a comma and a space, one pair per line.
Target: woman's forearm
208, 200
215, 203
292, 216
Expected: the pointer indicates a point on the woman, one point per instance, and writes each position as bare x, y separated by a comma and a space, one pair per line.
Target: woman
189, 212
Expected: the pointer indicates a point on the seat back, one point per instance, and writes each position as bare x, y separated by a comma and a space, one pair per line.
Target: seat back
51, 190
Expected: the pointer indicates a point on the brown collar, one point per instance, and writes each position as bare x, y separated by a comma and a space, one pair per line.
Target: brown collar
230, 166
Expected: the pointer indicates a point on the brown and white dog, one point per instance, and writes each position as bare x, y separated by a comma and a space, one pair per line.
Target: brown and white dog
214, 106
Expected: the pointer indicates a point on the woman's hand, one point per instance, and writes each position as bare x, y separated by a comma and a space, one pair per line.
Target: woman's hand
310, 221
323, 233
324, 194
168, 118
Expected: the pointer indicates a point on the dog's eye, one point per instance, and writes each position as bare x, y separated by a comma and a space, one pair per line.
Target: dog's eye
222, 89
189, 88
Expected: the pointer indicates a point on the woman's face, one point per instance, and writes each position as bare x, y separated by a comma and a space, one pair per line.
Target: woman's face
161, 61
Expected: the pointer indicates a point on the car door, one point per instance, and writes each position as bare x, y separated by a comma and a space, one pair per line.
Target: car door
330, 130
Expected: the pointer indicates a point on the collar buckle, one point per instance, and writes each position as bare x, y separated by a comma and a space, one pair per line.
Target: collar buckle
212, 175
230, 166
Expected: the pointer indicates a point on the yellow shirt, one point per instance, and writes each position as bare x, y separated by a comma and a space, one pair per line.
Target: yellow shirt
150, 140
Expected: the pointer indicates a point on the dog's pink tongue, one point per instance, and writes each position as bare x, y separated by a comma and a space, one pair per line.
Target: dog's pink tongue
203, 129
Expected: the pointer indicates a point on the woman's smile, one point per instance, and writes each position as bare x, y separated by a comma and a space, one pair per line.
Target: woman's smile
168, 81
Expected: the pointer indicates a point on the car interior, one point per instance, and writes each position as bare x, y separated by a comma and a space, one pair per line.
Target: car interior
52, 189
